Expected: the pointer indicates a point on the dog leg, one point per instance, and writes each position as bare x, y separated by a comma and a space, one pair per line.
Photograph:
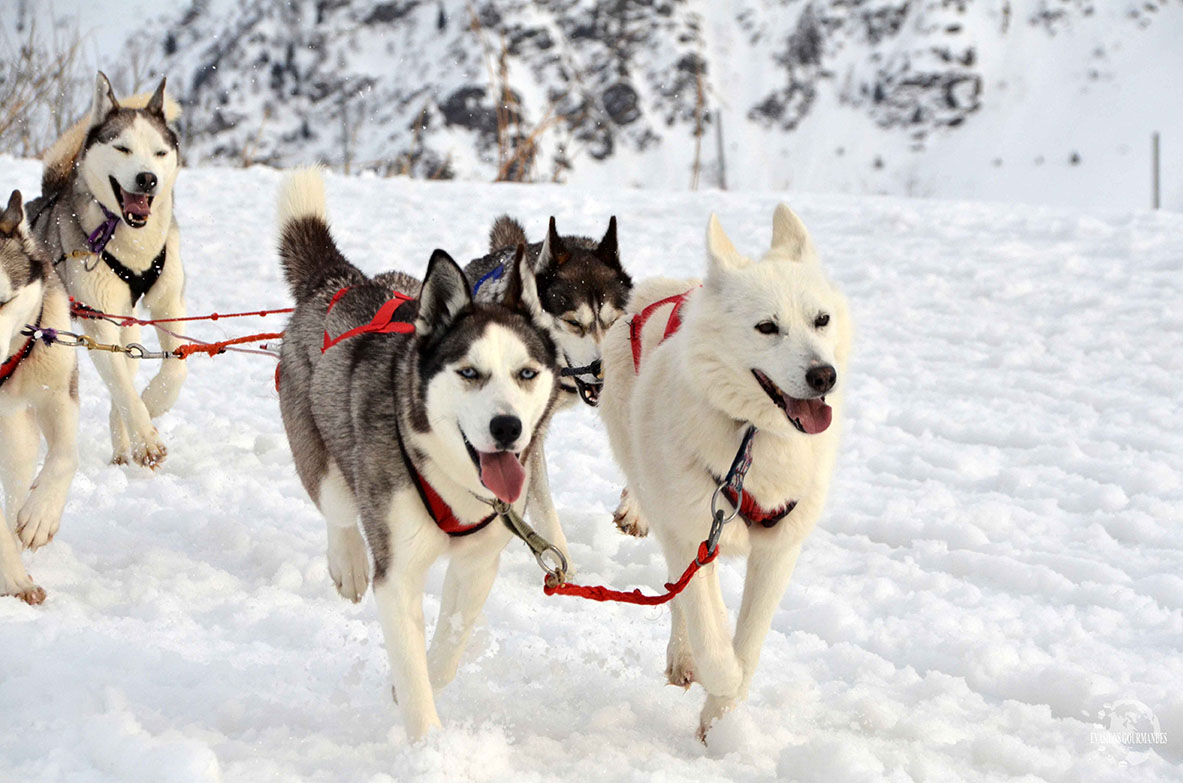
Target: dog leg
120, 441
715, 663
349, 563
118, 374
14, 579
627, 516
18, 459
466, 587
769, 570
542, 505
399, 596
41, 515
679, 663
164, 388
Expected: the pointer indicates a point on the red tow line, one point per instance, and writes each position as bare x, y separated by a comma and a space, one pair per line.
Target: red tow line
600, 593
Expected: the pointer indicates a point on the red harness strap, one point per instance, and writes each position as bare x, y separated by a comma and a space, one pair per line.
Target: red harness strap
382, 323
12, 362
753, 513
441, 513
671, 326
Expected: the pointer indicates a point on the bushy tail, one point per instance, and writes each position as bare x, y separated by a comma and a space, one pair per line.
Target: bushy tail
506, 232
306, 248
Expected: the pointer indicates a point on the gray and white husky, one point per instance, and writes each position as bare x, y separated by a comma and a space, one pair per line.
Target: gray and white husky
417, 433
583, 289
760, 343
106, 215
38, 394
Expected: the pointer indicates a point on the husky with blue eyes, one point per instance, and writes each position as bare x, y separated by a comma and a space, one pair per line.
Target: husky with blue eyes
106, 217
412, 409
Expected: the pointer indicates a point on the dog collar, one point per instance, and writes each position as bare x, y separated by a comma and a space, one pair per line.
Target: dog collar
98, 239
138, 283
8, 369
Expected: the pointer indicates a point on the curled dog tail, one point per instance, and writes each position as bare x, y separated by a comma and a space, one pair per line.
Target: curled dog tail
506, 232
306, 248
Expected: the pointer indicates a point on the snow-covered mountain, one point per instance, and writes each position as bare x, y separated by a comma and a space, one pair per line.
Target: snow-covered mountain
1034, 100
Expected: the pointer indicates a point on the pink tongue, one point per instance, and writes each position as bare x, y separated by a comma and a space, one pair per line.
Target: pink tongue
814, 415
503, 474
136, 204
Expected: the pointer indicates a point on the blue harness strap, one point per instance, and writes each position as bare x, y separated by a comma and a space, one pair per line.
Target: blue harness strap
493, 274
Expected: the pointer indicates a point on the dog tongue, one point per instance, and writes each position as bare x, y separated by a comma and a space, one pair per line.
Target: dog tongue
136, 204
503, 474
813, 415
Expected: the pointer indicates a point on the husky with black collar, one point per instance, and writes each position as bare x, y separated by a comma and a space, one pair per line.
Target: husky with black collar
38, 395
758, 343
583, 289
416, 430
106, 216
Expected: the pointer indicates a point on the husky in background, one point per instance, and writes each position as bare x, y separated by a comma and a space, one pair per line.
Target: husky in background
416, 431
38, 392
583, 289
106, 215
760, 343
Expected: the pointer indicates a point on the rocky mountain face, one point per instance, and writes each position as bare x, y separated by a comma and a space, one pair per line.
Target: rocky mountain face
558, 90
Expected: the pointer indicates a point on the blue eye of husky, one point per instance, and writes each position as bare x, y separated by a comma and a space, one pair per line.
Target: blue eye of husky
528, 374
468, 374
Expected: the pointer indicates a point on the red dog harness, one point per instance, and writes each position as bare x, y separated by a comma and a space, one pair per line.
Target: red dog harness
12, 362
751, 511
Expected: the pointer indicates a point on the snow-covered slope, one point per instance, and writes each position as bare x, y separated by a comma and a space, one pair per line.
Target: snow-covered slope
999, 562
1049, 101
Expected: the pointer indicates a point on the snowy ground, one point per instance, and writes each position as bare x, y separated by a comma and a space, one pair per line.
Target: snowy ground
999, 562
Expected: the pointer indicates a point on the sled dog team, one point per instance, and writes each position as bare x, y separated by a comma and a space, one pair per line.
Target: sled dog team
417, 409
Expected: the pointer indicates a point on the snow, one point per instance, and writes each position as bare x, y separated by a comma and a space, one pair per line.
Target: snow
999, 560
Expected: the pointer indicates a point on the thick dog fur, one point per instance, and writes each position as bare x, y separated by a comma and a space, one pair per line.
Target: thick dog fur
682, 418
40, 397
583, 289
120, 141
440, 388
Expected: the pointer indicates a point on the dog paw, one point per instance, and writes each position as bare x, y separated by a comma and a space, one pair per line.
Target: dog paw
680, 672
38, 520
627, 516
150, 451
349, 563
25, 589
716, 707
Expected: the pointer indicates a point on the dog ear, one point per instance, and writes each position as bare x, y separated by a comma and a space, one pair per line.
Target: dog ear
104, 100
554, 252
722, 253
789, 234
155, 104
608, 250
445, 293
14, 213
521, 288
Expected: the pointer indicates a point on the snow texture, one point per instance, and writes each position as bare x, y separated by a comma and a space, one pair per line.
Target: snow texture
999, 561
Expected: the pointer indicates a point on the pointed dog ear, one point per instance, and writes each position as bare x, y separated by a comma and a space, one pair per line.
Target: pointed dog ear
521, 290
608, 250
445, 293
155, 105
722, 253
554, 252
104, 100
14, 213
789, 234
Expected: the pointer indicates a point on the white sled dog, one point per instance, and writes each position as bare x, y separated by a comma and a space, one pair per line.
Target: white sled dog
760, 344
106, 216
416, 431
38, 391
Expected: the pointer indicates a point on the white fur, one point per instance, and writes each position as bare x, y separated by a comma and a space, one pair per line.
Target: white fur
134, 437
35, 400
686, 412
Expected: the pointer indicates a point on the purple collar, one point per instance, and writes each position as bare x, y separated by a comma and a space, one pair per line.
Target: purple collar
97, 241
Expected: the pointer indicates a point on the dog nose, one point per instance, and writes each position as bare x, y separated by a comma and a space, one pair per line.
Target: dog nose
821, 379
505, 430
146, 181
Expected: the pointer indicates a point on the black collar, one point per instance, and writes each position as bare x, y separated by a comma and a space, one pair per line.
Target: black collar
138, 283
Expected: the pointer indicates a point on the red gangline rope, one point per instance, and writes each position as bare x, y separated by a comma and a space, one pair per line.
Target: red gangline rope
185, 351
600, 593
79, 310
